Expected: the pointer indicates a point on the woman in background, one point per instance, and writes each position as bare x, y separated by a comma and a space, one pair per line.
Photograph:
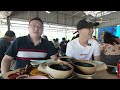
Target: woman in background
110, 49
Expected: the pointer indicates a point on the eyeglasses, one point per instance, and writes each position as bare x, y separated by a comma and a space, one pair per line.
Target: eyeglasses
34, 26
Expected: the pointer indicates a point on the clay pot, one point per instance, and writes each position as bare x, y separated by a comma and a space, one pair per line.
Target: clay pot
66, 59
57, 70
85, 66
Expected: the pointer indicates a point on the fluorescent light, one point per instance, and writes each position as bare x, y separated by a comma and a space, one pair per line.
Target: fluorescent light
47, 11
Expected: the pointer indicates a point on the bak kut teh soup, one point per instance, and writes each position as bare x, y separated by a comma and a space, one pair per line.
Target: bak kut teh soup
66, 59
60, 67
85, 67
83, 64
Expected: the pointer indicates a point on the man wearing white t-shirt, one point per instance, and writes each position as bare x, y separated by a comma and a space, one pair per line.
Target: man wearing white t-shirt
83, 47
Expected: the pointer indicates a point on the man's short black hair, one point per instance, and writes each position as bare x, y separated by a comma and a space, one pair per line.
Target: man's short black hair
10, 33
36, 18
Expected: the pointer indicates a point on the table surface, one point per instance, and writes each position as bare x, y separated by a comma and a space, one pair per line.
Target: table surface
98, 75
105, 75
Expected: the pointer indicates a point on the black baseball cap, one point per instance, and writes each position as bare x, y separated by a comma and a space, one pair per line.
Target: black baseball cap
84, 23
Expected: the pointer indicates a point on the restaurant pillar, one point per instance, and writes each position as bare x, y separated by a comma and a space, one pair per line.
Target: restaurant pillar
8, 22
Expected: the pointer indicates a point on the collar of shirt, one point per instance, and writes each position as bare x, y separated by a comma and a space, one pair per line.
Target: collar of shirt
29, 38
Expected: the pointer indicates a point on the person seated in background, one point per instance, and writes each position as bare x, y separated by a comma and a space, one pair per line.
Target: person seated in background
110, 49
46, 38
30, 47
102, 36
63, 46
5, 42
83, 47
57, 46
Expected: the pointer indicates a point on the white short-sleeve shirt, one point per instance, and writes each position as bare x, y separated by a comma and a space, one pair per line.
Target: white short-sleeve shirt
76, 50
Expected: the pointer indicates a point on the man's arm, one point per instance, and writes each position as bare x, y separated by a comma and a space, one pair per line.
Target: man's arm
5, 64
54, 57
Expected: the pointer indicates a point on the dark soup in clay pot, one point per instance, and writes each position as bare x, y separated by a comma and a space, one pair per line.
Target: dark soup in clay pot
66, 59
60, 67
83, 64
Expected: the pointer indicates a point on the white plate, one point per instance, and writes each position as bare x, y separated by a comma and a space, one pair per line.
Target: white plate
37, 62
